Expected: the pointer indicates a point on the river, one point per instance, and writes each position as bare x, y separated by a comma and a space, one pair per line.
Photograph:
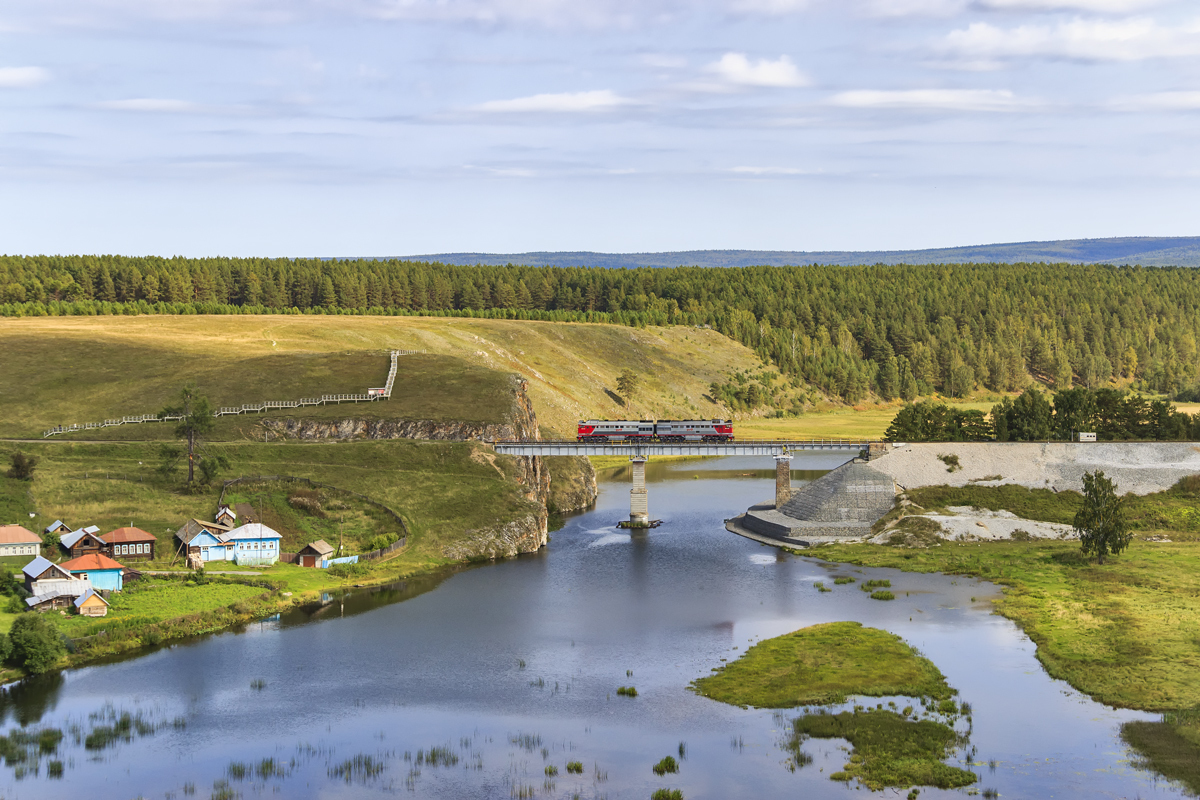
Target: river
471, 684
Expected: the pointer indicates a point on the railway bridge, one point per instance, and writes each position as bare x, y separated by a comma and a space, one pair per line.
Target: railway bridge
639, 452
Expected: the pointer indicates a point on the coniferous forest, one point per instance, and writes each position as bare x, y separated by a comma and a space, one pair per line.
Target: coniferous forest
852, 332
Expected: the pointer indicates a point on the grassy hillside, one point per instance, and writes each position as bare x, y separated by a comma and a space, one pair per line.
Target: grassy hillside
440, 488
62, 370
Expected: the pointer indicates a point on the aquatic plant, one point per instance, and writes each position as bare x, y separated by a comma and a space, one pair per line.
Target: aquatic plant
889, 750
258, 684
882, 594
526, 741
575, 767
237, 771
667, 794
683, 751
361, 768
550, 770
868, 586
222, 790
821, 587
437, 757
668, 764
841, 580
627, 691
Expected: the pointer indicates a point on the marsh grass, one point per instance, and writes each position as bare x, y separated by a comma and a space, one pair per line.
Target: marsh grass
842, 580
882, 594
823, 664
667, 766
574, 767
667, 794
821, 587
627, 691
869, 586
888, 750
360, 769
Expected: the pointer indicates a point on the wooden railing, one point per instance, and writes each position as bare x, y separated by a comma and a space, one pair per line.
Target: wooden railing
383, 393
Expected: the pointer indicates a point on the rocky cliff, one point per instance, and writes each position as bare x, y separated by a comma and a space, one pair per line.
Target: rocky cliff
524, 534
572, 483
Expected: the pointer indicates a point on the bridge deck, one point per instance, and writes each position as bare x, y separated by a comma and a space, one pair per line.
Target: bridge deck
744, 447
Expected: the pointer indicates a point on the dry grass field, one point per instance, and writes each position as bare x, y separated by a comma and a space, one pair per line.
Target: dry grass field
62, 370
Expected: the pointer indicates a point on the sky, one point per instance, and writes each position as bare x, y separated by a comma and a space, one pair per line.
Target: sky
394, 127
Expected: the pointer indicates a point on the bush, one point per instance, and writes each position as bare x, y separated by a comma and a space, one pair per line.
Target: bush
22, 467
36, 644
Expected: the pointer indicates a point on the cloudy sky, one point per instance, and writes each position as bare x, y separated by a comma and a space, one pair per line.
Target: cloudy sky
385, 127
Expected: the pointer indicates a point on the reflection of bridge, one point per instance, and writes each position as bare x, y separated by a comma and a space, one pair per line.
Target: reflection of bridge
639, 514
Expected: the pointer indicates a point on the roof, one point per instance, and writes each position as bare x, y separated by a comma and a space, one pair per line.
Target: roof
320, 546
93, 529
53, 526
122, 535
15, 534
38, 566
79, 601
38, 599
72, 538
214, 528
226, 510
90, 562
251, 530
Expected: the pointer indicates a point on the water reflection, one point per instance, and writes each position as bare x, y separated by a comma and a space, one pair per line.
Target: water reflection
478, 662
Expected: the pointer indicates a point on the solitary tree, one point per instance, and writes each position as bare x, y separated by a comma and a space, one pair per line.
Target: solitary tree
1101, 522
22, 467
196, 420
627, 384
36, 643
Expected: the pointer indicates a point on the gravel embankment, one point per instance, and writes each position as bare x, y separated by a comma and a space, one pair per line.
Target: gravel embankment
1137, 467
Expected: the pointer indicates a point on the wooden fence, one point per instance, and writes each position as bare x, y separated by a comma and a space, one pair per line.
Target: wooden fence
382, 393
371, 556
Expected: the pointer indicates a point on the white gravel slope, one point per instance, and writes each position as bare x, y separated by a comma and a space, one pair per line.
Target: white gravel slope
1137, 467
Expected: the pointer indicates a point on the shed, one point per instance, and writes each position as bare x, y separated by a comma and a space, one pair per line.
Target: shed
84, 541
131, 543
18, 541
226, 516
50, 601
91, 604
102, 571
311, 555
58, 526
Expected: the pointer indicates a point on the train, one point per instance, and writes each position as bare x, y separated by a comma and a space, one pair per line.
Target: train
649, 430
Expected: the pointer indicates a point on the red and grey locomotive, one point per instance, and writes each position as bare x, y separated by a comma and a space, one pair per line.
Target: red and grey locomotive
648, 430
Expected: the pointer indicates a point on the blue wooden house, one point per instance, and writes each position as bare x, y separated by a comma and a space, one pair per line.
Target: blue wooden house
102, 571
253, 543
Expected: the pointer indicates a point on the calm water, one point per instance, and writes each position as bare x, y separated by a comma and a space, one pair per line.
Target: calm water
515, 666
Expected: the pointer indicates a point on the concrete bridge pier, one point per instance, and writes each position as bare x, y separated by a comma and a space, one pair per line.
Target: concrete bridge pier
783, 479
639, 509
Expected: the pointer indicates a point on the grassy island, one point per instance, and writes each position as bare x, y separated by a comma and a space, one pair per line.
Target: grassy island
824, 664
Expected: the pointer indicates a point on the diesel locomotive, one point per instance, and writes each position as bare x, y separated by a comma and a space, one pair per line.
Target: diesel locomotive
648, 430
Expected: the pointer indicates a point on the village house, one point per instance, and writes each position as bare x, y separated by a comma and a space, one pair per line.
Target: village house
18, 541
51, 585
58, 526
91, 604
226, 516
254, 543
130, 543
102, 571
84, 541
202, 541
311, 555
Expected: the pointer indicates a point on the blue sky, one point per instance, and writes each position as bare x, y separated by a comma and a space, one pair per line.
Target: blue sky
387, 127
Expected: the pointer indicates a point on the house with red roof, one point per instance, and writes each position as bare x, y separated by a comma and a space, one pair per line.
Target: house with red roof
130, 543
102, 571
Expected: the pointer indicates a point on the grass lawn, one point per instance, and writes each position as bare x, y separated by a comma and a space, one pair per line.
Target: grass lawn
822, 664
148, 601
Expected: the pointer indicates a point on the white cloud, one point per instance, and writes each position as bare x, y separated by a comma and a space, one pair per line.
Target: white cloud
907, 8
151, 104
22, 77
930, 99
769, 6
1159, 101
769, 171
738, 70
563, 103
1094, 6
1087, 40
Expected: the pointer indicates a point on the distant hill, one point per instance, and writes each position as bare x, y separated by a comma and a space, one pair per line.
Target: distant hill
1157, 251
